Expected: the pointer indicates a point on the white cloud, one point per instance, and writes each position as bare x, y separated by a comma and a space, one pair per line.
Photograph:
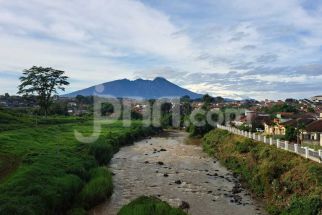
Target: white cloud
97, 41
87, 38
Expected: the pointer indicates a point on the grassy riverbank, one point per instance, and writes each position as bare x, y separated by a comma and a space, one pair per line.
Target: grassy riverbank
45, 170
148, 206
287, 183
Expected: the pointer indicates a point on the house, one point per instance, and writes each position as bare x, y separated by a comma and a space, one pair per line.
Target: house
3, 104
274, 128
312, 133
278, 126
284, 116
317, 99
72, 104
241, 121
253, 120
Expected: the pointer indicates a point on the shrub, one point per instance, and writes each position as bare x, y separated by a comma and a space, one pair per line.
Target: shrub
77, 211
148, 206
103, 152
244, 146
98, 188
310, 205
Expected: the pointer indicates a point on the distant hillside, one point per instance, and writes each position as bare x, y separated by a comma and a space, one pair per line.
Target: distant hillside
147, 89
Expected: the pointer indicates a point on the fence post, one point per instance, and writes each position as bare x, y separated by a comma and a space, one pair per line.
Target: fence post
278, 143
254, 136
259, 137
307, 152
286, 145
250, 134
296, 148
320, 153
271, 141
264, 139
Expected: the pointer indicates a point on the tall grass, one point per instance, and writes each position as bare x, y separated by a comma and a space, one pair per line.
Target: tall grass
287, 183
98, 189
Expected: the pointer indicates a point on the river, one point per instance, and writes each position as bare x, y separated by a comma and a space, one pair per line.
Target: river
168, 168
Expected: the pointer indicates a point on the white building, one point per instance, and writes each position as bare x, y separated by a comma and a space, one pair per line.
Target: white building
317, 99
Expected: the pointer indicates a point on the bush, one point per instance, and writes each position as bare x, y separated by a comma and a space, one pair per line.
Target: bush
98, 188
311, 205
77, 211
103, 152
244, 146
149, 206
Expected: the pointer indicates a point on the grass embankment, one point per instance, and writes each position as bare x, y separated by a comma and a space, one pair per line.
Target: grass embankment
148, 206
51, 172
287, 183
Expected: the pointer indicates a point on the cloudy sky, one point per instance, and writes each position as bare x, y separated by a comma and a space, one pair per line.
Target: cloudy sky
237, 49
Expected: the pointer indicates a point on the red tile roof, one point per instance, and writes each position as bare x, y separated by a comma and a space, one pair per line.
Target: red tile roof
298, 122
315, 126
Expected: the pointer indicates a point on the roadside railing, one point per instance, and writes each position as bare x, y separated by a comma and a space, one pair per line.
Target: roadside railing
281, 144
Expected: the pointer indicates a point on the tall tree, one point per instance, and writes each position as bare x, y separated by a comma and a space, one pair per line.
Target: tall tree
43, 83
207, 100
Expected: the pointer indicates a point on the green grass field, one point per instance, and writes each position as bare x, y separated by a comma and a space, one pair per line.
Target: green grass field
149, 206
45, 170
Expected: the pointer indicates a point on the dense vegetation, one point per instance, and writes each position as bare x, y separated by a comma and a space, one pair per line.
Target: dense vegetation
199, 124
281, 108
149, 206
45, 170
287, 183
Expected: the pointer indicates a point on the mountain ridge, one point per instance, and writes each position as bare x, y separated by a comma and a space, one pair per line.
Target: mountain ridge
159, 87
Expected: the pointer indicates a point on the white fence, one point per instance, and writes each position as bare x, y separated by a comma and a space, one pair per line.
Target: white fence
286, 145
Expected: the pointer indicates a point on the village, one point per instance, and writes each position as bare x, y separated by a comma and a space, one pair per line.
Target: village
299, 121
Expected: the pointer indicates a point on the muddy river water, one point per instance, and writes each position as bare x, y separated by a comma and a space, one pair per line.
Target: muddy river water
168, 168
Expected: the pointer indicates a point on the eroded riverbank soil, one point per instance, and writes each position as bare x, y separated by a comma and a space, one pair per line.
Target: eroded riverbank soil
175, 172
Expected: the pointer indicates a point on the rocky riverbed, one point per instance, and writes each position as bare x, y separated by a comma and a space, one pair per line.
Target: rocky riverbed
168, 168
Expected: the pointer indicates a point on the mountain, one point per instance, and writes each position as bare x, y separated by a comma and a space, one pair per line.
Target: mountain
147, 89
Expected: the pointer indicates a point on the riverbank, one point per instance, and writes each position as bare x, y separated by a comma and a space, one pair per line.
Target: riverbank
166, 167
287, 183
52, 173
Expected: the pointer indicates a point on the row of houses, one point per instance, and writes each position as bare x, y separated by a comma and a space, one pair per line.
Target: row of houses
309, 125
